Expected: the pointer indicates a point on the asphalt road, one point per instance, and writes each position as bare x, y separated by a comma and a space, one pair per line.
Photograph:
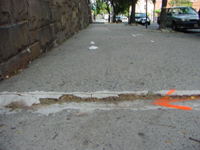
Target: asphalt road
195, 32
155, 26
128, 58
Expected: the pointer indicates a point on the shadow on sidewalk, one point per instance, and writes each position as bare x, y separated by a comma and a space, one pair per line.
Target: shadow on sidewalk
97, 22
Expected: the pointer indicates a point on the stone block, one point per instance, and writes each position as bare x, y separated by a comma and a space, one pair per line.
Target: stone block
56, 3
24, 22
63, 9
64, 22
35, 50
5, 12
39, 14
13, 40
15, 63
19, 61
45, 36
55, 15
74, 14
19, 10
58, 27
34, 37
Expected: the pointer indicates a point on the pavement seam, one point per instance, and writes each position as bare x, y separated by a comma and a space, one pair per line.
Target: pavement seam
30, 98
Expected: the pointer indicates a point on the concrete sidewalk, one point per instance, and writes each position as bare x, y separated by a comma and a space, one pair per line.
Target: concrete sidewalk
128, 58
136, 125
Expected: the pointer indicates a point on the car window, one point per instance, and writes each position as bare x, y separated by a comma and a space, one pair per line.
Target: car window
140, 15
169, 12
177, 11
190, 11
183, 10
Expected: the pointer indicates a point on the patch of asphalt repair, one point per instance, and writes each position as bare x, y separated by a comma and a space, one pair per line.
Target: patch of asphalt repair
34, 101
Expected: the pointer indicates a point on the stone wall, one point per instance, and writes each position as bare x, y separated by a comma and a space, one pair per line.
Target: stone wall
31, 27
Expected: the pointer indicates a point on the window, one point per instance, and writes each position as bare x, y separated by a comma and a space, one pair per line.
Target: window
183, 10
169, 12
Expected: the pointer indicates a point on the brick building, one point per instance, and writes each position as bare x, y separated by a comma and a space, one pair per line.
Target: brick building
196, 4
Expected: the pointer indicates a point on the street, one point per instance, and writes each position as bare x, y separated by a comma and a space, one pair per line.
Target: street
189, 31
141, 88
155, 26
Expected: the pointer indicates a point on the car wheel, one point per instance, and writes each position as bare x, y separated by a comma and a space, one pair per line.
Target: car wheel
174, 26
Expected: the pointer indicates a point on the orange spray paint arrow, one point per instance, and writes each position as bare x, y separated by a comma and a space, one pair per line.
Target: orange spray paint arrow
166, 102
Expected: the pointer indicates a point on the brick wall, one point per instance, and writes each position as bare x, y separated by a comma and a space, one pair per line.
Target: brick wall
31, 27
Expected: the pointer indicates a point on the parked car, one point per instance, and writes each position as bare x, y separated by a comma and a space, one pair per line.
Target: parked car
124, 18
141, 18
181, 17
118, 19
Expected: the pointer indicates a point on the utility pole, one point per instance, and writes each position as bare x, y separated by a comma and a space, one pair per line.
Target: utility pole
146, 14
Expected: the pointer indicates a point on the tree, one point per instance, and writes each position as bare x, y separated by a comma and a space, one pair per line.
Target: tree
132, 18
163, 15
107, 2
103, 6
114, 4
154, 3
123, 6
119, 7
180, 3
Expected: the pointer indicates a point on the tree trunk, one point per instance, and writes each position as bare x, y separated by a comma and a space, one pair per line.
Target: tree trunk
163, 15
132, 20
114, 12
108, 11
154, 12
107, 5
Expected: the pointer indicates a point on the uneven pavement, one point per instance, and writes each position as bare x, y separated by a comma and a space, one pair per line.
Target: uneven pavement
128, 58
127, 82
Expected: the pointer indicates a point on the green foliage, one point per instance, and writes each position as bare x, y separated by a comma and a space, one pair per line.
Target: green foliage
93, 7
102, 6
180, 3
16, 71
154, 1
158, 11
121, 6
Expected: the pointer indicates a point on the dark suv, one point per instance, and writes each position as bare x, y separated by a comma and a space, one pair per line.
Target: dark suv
141, 18
118, 19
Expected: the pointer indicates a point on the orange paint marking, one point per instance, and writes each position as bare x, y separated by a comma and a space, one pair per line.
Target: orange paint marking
171, 91
115, 67
165, 101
